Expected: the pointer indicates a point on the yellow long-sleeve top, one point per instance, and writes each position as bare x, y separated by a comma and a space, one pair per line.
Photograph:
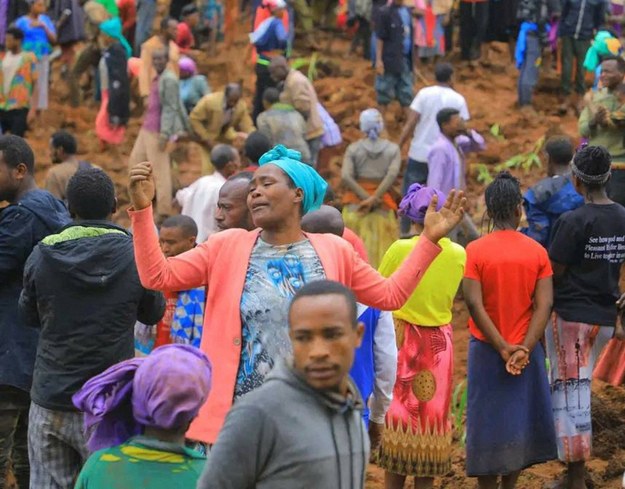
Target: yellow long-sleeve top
431, 302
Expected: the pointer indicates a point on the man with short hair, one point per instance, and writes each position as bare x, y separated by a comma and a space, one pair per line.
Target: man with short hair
165, 119
282, 124
232, 210
220, 117
422, 126
554, 195
602, 123
184, 310
65, 163
256, 145
32, 214
446, 166
303, 426
299, 92
199, 200
18, 84
165, 38
86, 325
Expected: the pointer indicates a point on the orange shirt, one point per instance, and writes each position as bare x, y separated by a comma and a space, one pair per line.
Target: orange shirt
507, 264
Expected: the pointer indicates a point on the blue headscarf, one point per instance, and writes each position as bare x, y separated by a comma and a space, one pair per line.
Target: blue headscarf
113, 28
304, 176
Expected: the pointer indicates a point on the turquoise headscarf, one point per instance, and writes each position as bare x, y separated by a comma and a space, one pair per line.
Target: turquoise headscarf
113, 28
304, 176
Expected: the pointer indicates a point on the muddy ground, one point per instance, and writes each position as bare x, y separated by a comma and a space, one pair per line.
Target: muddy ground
345, 86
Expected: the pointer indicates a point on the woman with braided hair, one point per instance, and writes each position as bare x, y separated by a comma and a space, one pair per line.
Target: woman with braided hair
586, 252
508, 290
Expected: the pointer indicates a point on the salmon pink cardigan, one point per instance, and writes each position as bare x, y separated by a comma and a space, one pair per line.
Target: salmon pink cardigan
221, 264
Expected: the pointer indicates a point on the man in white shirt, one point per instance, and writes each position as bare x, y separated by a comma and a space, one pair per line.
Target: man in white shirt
199, 200
424, 129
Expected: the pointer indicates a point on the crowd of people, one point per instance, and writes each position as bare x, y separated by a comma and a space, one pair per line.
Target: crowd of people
259, 329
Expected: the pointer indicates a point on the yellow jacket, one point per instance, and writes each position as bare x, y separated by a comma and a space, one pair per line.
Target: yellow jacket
207, 119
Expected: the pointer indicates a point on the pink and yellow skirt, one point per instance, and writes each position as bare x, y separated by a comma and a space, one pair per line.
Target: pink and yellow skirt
418, 433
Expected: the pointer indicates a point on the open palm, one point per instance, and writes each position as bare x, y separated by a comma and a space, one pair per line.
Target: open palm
439, 224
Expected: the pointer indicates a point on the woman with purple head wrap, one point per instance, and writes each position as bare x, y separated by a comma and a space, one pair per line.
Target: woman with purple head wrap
370, 168
136, 416
192, 86
419, 412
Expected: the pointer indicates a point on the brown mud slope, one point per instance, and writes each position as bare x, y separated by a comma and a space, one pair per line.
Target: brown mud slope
345, 86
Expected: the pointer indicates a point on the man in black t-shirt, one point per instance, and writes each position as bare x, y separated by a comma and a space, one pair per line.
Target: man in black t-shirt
587, 251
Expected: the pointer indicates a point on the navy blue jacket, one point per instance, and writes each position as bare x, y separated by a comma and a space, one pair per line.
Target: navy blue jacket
82, 289
389, 28
545, 202
22, 225
581, 23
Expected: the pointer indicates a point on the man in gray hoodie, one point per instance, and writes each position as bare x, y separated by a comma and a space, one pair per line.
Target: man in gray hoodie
303, 427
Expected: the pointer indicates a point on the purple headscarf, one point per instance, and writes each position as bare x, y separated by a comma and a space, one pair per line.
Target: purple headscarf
163, 390
415, 203
187, 65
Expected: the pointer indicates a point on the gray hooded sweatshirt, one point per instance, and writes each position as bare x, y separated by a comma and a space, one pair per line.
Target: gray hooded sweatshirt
287, 434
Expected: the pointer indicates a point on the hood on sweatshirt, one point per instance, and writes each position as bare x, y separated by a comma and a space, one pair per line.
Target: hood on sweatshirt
336, 404
49, 211
375, 148
88, 254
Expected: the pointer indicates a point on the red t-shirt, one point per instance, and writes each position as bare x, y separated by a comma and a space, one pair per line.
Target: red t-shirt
184, 39
507, 264
163, 327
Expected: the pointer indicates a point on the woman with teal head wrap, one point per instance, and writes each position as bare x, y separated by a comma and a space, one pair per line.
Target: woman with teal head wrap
252, 276
113, 28
114, 110
302, 175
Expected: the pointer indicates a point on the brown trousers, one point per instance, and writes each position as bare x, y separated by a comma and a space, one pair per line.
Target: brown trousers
146, 149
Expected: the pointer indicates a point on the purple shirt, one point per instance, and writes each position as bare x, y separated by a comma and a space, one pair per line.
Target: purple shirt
446, 161
152, 119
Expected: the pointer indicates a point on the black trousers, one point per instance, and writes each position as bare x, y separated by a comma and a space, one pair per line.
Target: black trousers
14, 121
473, 26
263, 82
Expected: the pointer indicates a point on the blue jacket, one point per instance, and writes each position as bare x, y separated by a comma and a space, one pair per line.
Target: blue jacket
22, 225
581, 23
363, 368
545, 202
375, 362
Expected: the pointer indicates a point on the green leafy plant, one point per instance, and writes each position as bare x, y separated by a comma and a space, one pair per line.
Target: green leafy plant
458, 410
483, 174
495, 131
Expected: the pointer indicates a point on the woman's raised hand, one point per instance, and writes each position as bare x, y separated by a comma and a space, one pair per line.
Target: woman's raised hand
439, 224
141, 187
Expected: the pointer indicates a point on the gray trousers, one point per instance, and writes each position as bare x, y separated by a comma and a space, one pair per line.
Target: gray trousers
529, 70
56, 447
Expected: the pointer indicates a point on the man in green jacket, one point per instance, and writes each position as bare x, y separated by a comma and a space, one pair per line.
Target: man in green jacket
603, 122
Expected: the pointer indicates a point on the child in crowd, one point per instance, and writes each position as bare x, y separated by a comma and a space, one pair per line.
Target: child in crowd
587, 250
137, 413
509, 426
418, 435
552, 196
